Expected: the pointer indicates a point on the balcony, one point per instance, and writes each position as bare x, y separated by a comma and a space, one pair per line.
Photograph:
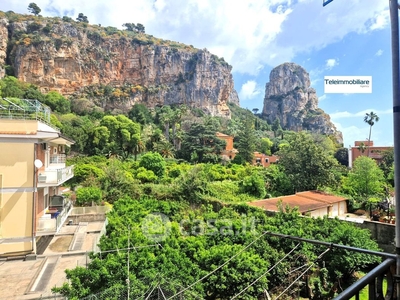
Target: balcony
51, 223
52, 177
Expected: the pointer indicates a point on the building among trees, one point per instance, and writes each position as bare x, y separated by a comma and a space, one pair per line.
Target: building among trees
361, 149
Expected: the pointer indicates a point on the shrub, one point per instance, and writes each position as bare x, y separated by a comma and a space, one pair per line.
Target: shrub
88, 195
153, 161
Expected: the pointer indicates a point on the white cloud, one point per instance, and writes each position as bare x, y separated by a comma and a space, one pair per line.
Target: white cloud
351, 133
330, 63
380, 20
379, 52
346, 114
248, 34
322, 98
249, 90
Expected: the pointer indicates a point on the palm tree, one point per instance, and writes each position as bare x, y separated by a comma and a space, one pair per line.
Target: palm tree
165, 148
139, 148
370, 119
361, 147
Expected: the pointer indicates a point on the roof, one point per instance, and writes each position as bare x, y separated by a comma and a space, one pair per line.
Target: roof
304, 201
222, 134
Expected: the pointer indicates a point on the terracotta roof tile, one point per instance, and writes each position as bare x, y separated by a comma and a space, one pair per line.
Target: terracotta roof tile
305, 201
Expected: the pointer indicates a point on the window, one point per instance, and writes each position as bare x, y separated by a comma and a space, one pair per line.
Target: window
267, 160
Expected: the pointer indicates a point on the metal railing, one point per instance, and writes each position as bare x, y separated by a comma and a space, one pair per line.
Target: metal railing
374, 278
24, 109
58, 158
56, 176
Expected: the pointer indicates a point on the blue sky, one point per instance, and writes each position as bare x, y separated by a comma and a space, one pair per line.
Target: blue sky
343, 38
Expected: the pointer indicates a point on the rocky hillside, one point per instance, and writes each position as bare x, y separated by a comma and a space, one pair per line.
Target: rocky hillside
113, 68
290, 98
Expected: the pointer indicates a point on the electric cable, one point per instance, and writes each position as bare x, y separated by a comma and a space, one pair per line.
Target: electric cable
301, 275
219, 267
265, 273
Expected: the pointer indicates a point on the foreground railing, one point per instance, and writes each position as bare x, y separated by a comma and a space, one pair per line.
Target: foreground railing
374, 279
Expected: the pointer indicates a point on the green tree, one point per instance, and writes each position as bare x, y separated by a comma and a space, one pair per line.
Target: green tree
88, 195
276, 127
200, 143
34, 9
153, 161
342, 156
166, 117
129, 26
365, 180
121, 137
12, 87
370, 118
307, 165
387, 163
57, 102
266, 146
140, 28
139, 113
246, 144
165, 149
253, 185
82, 18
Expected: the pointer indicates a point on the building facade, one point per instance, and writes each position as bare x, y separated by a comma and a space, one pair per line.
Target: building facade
261, 159
229, 152
361, 149
32, 171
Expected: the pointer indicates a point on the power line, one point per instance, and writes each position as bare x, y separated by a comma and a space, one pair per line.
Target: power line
269, 270
216, 269
301, 275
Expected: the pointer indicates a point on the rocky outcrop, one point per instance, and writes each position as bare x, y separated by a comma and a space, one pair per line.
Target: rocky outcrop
290, 98
116, 69
3, 45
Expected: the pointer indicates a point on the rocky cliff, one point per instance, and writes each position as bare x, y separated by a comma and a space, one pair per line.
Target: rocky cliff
290, 98
113, 68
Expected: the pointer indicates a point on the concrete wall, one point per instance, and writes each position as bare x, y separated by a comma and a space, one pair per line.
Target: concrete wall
383, 233
16, 196
19, 126
86, 218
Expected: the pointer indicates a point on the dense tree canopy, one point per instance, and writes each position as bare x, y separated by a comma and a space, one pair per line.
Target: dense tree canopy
213, 254
365, 180
306, 163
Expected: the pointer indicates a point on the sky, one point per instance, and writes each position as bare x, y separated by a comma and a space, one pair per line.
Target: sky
344, 38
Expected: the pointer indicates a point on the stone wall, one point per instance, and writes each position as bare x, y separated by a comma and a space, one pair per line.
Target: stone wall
383, 233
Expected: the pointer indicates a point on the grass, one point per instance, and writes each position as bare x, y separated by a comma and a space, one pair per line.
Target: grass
364, 291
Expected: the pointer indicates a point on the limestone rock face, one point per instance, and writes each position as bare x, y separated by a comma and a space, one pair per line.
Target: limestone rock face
3, 45
290, 98
117, 71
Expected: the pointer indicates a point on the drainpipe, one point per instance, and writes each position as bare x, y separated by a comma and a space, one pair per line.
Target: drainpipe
34, 199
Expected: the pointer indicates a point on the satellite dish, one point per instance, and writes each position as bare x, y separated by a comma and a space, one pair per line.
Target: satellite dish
38, 163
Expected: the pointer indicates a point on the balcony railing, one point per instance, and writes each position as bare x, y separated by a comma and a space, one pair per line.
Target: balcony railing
58, 159
48, 225
373, 279
56, 176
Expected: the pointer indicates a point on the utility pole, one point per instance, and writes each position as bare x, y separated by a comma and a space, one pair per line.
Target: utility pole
394, 22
